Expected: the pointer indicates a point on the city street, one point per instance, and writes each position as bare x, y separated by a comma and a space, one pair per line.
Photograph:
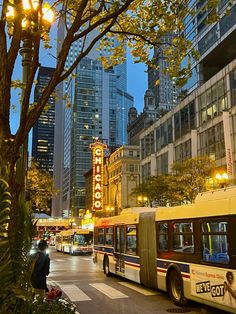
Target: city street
92, 292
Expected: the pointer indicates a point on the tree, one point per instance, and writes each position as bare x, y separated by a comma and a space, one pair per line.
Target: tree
141, 24
154, 188
40, 188
182, 186
191, 175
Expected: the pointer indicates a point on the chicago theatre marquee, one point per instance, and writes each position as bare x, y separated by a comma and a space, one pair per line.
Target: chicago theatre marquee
98, 158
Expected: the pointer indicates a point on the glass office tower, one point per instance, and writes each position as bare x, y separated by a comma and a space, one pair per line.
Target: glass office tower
214, 41
43, 130
95, 106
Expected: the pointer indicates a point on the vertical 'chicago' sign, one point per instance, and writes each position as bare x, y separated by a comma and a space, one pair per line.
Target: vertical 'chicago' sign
98, 155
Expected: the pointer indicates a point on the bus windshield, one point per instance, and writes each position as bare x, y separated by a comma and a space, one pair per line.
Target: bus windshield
82, 239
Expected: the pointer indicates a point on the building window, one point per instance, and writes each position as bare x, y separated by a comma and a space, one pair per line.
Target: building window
228, 21
183, 151
212, 102
232, 76
162, 164
146, 171
208, 40
212, 142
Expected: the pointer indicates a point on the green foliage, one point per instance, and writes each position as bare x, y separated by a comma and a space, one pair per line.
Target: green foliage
190, 176
14, 259
188, 179
61, 306
6, 273
39, 187
16, 295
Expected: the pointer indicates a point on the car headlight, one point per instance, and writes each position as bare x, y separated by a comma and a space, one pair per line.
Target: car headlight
32, 251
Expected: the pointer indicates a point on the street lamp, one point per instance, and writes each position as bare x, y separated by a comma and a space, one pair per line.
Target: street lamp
142, 200
35, 21
72, 223
222, 179
109, 210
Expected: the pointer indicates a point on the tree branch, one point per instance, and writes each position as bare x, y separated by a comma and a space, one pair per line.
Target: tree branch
69, 39
84, 53
103, 20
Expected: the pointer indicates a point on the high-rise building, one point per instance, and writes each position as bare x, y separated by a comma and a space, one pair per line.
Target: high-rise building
161, 84
215, 42
203, 123
95, 106
43, 130
138, 123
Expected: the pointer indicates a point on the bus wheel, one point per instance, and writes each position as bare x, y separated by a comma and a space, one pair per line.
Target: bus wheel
175, 288
106, 267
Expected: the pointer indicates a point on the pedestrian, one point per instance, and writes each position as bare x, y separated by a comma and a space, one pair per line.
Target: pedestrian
41, 268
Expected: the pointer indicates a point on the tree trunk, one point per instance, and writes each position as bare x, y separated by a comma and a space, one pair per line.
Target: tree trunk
8, 158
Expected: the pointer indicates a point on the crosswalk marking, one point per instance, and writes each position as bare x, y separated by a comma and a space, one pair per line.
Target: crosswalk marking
87, 259
51, 282
74, 293
108, 291
144, 291
59, 260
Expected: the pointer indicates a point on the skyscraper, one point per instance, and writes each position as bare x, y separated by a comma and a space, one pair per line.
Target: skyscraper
215, 42
96, 106
43, 130
161, 84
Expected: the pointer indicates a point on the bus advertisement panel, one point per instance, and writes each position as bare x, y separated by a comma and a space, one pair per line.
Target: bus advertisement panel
215, 285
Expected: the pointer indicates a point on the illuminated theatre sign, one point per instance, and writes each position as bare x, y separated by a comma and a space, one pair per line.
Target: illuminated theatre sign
98, 155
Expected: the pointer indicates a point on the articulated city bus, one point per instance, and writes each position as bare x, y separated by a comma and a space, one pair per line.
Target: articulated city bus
188, 251
75, 241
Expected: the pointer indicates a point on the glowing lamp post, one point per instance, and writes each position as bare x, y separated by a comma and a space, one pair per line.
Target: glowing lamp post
35, 21
109, 210
142, 200
222, 179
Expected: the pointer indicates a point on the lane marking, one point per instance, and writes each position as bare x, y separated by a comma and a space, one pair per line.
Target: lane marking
141, 290
108, 291
51, 282
87, 259
59, 260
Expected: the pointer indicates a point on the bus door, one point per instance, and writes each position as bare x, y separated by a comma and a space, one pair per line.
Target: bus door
120, 249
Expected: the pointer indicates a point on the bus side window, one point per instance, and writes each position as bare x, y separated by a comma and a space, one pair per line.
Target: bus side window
131, 240
214, 242
183, 238
162, 236
100, 236
109, 236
